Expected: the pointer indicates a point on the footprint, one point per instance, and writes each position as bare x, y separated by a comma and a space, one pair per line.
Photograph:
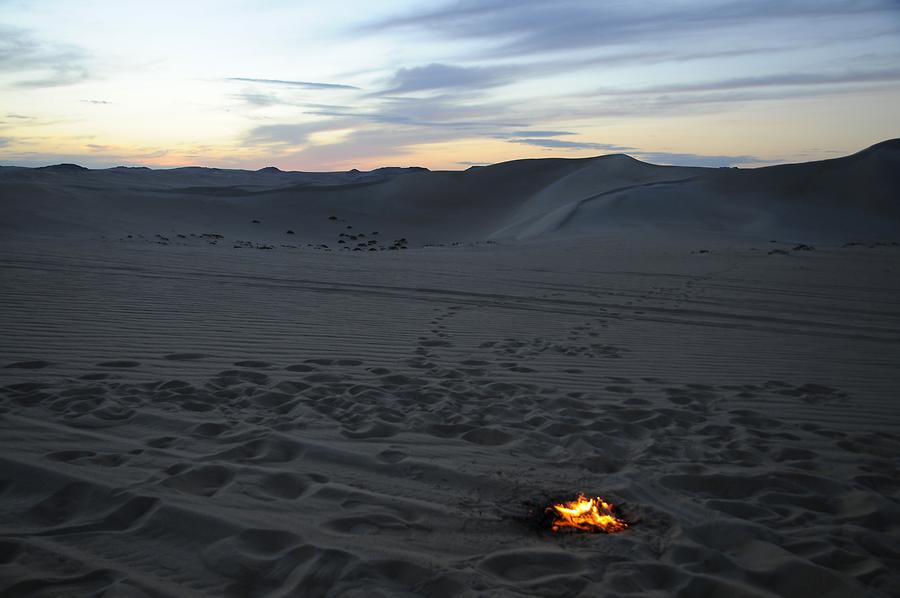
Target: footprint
10, 550
84, 507
234, 377
366, 525
435, 343
209, 429
30, 365
174, 385
184, 356
253, 364
285, 485
262, 450
256, 561
391, 456
321, 361
67, 456
122, 363
377, 429
271, 399
203, 480
487, 437
88, 457
635, 401
348, 362
620, 389
94, 377
291, 386
531, 565
161, 442
323, 378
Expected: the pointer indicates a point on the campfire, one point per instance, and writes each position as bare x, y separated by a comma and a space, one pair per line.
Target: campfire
585, 515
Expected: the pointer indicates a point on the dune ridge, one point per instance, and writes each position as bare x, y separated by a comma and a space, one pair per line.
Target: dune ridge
196, 404
831, 200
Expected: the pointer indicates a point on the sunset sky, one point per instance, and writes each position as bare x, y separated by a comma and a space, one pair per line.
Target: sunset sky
361, 84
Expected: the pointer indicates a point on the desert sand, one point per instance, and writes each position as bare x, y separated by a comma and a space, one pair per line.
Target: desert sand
205, 391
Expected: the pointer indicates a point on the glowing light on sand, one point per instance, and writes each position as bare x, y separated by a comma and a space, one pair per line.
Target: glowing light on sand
585, 515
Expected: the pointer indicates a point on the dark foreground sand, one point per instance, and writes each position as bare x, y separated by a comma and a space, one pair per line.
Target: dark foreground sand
196, 420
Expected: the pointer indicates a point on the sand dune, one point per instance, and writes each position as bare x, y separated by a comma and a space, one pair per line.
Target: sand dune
832, 200
198, 416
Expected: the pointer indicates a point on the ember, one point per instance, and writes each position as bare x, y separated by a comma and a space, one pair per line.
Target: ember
585, 515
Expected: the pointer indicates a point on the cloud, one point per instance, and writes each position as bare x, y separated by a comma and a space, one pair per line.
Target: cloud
5, 141
35, 63
650, 102
383, 143
537, 26
709, 161
794, 79
445, 76
97, 102
290, 134
301, 84
569, 145
538, 133
93, 159
669, 158
540, 39
420, 121
260, 100
457, 110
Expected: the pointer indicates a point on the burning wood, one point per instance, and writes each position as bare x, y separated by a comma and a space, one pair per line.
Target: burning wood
585, 515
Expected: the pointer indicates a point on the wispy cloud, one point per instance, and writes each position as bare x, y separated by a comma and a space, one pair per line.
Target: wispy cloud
35, 63
259, 100
709, 161
537, 26
570, 145
791, 79
296, 134
301, 84
446, 76
538, 133
535, 39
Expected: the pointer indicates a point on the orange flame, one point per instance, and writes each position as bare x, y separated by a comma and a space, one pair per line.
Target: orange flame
586, 515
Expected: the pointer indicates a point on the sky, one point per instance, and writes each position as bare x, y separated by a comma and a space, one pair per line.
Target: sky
315, 85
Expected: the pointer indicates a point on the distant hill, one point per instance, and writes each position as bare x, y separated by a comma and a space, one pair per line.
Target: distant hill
839, 199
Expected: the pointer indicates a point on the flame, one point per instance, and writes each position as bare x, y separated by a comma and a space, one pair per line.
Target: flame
586, 515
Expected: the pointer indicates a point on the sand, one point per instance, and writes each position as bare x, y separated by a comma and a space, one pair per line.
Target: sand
256, 415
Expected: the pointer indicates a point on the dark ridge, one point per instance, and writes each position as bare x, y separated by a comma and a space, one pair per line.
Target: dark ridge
64, 167
884, 148
271, 169
889, 144
399, 169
